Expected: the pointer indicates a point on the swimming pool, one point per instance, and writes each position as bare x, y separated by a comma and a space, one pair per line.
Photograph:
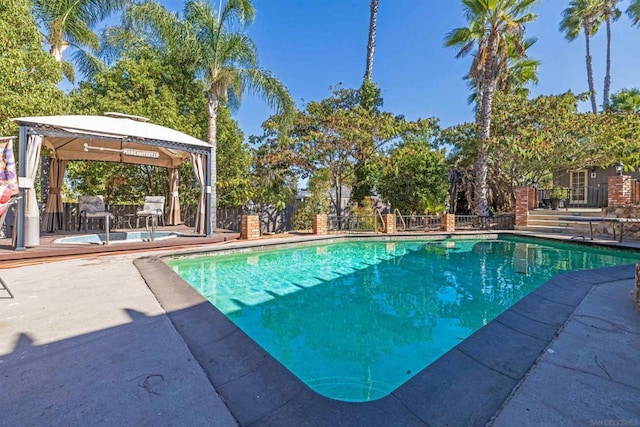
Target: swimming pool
117, 237
355, 320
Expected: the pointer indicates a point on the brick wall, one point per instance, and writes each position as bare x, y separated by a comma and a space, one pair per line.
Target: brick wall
320, 225
619, 190
389, 223
250, 227
448, 223
533, 198
522, 205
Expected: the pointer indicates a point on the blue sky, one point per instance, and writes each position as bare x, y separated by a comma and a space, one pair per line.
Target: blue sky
311, 45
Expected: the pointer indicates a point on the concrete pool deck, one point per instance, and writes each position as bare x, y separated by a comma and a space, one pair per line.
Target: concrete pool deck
568, 354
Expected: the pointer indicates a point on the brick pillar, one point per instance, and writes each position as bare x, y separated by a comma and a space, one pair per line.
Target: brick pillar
448, 223
320, 225
389, 223
522, 206
619, 190
250, 227
533, 198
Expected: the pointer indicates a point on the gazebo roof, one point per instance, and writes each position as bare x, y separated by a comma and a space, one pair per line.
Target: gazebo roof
113, 137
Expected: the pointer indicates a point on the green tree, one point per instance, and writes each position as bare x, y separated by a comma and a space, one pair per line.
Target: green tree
223, 55
583, 16
492, 25
415, 177
339, 135
28, 86
547, 134
69, 23
145, 82
626, 100
319, 187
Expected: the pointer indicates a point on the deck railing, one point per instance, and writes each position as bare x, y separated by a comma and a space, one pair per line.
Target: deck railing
584, 197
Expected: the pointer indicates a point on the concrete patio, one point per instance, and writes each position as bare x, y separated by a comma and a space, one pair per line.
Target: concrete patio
86, 341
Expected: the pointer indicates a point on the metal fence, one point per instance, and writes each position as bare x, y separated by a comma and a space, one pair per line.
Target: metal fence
475, 222
417, 222
372, 223
354, 223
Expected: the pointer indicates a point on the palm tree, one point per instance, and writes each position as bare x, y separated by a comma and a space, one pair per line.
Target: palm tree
491, 27
69, 23
626, 101
222, 55
583, 16
516, 74
610, 13
371, 43
634, 12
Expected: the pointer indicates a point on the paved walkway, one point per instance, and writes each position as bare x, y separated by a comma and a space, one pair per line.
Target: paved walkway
86, 342
590, 374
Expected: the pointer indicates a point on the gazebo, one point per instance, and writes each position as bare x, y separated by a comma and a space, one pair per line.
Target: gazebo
113, 137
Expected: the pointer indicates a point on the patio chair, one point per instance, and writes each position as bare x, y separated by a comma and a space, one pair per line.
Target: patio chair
153, 207
92, 207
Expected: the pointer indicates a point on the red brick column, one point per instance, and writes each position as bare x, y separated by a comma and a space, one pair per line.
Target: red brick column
448, 223
320, 225
533, 198
522, 206
389, 223
619, 190
250, 227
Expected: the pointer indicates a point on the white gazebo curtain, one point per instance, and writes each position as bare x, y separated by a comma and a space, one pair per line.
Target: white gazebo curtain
32, 212
54, 211
198, 162
174, 200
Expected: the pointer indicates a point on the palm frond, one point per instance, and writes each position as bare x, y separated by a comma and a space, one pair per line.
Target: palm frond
86, 63
634, 12
264, 84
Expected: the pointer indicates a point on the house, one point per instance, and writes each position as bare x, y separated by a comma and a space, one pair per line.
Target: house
589, 188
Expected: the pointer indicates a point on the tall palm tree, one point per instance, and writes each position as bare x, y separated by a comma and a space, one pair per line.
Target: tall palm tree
583, 16
634, 12
516, 74
492, 25
371, 43
69, 23
222, 55
610, 13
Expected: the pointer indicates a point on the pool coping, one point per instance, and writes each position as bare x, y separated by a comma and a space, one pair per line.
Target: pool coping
466, 386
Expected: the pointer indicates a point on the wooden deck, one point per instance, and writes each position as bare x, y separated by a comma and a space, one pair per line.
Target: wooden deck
49, 251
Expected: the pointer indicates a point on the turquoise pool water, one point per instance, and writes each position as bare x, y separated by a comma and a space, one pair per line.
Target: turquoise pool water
355, 320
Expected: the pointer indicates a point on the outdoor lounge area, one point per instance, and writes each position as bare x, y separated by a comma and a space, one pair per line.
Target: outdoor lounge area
111, 138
